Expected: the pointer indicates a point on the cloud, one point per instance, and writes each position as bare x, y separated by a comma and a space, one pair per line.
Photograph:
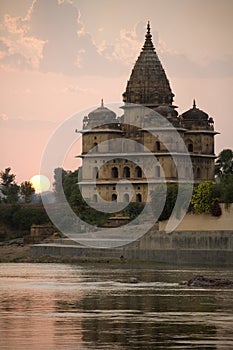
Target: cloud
75, 89
3, 117
51, 37
182, 66
18, 49
23, 124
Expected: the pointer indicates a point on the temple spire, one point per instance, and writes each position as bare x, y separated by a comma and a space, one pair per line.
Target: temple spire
102, 102
194, 103
148, 84
148, 45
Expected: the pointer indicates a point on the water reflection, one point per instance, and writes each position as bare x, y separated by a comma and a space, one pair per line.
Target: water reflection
52, 306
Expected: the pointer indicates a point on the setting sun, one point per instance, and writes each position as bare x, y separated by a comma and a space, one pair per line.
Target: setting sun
40, 182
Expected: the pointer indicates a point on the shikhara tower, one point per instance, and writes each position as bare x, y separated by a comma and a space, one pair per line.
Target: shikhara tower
109, 156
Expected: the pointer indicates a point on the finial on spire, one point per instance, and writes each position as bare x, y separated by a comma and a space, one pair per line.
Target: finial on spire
102, 102
148, 27
194, 103
148, 45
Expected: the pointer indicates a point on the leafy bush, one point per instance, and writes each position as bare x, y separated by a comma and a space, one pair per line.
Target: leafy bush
205, 197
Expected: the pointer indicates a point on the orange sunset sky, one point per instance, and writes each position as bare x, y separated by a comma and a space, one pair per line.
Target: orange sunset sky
58, 58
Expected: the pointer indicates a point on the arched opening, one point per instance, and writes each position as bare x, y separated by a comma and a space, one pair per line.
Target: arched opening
157, 146
95, 173
138, 197
126, 198
198, 173
190, 147
189, 144
138, 171
95, 198
115, 172
114, 197
126, 172
157, 171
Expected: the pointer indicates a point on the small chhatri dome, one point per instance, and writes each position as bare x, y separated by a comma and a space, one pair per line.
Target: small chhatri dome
195, 113
148, 84
102, 113
99, 117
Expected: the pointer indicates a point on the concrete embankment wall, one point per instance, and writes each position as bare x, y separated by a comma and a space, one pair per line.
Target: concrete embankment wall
205, 222
179, 247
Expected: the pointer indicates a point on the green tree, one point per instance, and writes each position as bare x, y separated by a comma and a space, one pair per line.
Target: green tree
9, 188
133, 210
224, 163
168, 193
204, 197
72, 189
224, 173
27, 190
163, 191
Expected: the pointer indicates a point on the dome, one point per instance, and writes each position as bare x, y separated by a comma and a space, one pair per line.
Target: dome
195, 114
100, 117
102, 114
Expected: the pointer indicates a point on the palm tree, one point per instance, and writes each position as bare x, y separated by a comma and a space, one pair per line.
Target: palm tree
224, 163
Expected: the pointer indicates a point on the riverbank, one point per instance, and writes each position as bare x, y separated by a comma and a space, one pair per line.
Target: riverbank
22, 254
202, 248
14, 254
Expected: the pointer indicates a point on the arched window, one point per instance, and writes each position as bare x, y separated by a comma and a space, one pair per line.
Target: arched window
95, 198
198, 173
114, 172
95, 173
157, 171
126, 198
138, 197
114, 197
157, 146
126, 172
138, 171
190, 145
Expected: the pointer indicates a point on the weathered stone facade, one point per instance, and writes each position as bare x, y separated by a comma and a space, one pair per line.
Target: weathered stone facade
152, 124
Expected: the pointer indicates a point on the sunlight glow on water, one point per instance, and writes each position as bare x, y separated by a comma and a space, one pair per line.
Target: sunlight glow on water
54, 306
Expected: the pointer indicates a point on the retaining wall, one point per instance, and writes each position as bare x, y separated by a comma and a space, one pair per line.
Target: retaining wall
179, 247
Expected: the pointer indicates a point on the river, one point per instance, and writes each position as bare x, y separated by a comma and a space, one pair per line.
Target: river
94, 306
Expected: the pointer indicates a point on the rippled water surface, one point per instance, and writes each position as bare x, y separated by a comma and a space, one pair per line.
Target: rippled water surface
94, 306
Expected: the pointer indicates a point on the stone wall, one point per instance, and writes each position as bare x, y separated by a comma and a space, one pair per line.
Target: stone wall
179, 247
39, 232
205, 222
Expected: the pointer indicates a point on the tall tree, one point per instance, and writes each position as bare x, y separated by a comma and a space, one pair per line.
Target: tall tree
169, 194
27, 190
9, 188
224, 163
59, 178
71, 188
